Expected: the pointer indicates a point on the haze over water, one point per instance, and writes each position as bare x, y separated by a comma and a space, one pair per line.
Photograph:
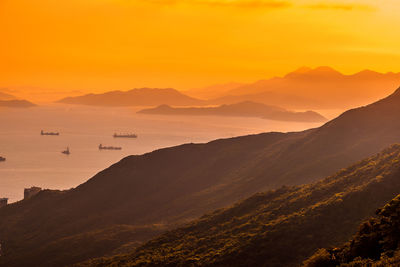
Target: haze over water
35, 160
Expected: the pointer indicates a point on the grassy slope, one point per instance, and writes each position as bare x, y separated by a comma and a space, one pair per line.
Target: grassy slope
375, 244
277, 228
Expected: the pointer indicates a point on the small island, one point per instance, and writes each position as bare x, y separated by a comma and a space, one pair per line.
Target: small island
242, 109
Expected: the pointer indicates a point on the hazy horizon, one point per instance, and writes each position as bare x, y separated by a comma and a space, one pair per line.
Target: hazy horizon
232, 133
50, 95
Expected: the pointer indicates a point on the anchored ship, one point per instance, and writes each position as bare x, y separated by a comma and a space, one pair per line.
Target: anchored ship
49, 133
2, 159
66, 152
124, 135
101, 147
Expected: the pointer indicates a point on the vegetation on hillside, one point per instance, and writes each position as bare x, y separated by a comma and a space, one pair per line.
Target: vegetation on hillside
277, 228
377, 243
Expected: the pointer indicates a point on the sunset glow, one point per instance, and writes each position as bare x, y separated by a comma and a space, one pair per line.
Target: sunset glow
231, 133
98, 45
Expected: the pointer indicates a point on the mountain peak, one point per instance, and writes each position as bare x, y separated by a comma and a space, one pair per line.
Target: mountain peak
322, 71
303, 69
368, 74
325, 70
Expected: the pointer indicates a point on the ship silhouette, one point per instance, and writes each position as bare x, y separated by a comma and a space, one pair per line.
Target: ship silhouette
66, 152
49, 133
124, 135
101, 147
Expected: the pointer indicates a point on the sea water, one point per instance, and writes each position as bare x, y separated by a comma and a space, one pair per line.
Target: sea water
35, 160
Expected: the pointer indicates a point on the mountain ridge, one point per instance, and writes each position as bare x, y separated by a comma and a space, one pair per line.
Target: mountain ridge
134, 97
276, 228
193, 179
318, 88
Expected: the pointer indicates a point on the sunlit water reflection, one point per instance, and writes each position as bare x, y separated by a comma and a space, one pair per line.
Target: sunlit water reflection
35, 160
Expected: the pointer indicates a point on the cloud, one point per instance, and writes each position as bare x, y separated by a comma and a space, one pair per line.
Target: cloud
342, 7
269, 4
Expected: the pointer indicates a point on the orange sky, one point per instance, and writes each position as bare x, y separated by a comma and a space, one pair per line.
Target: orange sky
97, 45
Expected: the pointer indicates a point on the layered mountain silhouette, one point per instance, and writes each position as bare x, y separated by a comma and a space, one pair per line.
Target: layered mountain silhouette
318, 88
170, 186
213, 91
242, 109
135, 97
375, 244
284, 226
16, 103
305, 88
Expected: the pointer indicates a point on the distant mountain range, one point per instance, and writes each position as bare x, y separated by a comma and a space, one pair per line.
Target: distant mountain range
135, 97
213, 91
319, 88
170, 186
243, 109
285, 226
305, 88
16, 103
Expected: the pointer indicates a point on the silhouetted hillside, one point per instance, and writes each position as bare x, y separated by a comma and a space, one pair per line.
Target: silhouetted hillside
277, 228
318, 88
242, 109
176, 184
16, 104
375, 244
135, 97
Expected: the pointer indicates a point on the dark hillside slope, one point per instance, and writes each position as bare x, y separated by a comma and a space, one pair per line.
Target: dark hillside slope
176, 184
277, 228
377, 243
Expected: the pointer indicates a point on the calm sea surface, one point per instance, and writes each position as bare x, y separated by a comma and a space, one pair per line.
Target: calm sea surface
35, 160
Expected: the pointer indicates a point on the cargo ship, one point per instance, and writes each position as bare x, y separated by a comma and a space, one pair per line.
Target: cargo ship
49, 133
125, 135
2, 159
101, 147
